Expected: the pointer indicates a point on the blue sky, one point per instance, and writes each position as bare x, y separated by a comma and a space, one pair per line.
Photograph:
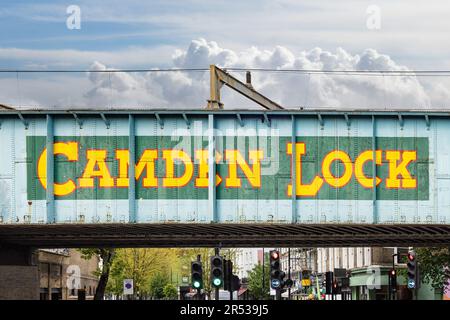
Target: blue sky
414, 33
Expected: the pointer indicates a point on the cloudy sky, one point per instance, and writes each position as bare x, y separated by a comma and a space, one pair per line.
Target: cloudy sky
341, 35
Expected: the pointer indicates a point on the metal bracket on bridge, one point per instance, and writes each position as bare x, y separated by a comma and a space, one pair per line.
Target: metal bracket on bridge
401, 122
25, 122
106, 121
78, 120
347, 120
319, 116
267, 120
427, 122
160, 121
188, 123
238, 115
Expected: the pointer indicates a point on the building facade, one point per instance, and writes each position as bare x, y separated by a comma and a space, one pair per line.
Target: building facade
246, 259
65, 275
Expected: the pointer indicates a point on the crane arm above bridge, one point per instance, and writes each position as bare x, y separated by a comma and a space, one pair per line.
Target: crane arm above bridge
219, 77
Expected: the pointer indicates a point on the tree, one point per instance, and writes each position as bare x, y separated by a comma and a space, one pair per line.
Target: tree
107, 257
157, 284
255, 281
140, 265
434, 266
170, 291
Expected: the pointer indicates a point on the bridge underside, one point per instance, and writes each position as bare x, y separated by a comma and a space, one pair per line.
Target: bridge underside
226, 235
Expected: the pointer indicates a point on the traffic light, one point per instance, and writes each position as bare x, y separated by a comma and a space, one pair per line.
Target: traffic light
196, 275
276, 275
227, 274
216, 271
235, 283
289, 283
393, 279
335, 287
411, 264
329, 279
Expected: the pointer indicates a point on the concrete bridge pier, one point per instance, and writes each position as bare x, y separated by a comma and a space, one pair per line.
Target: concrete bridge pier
19, 277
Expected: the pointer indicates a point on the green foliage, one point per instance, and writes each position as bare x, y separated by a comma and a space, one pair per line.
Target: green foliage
434, 265
170, 292
140, 265
255, 284
157, 284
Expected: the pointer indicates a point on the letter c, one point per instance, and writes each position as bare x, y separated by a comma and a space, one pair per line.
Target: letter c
70, 150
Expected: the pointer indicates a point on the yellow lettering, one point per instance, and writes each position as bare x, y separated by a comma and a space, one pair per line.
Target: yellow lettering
333, 181
235, 159
68, 149
396, 169
170, 181
302, 189
96, 167
202, 179
146, 162
359, 167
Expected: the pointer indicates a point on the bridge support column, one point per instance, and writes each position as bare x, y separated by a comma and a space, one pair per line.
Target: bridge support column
19, 277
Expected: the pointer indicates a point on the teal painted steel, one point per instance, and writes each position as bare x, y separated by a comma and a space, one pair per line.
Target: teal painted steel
212, 170
374, 170
351, 131
131, 169
50, 171
294, 170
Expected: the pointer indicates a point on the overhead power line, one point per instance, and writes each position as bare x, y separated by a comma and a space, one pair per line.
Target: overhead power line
419, 73
105, 71
337, 71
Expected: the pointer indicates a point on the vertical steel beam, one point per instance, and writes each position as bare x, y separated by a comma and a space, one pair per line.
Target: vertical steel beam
131, 174
212, 209
50, 199
214, 89
374, 172
294, 169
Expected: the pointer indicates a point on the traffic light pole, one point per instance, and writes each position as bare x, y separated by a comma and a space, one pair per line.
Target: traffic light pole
263, 272
231, 286
289, 272
216, 291
392, 289
199, 291
278, 294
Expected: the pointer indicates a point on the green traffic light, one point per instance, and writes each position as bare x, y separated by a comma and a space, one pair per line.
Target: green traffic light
196, 284
217, 282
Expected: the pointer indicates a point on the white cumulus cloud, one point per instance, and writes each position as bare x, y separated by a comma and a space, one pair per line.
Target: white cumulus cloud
293, 90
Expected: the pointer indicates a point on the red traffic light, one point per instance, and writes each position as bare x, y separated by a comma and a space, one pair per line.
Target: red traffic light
393, 272
411, 256
275, 255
